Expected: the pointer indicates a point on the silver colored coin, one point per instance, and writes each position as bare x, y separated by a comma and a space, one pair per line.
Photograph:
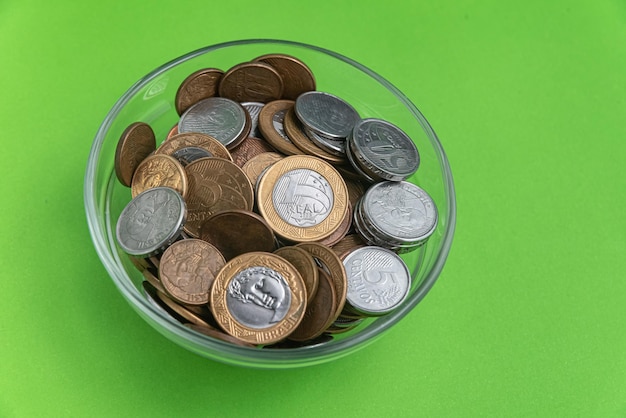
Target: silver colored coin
278, 122
357, 167
302, 197
258, 297
326, 114
333, 146
151, 221
378, 280
384, 149
219, 117
190, 154
253, 109
401, 211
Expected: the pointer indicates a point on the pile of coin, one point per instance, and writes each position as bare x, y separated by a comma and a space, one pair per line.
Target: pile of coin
271, 214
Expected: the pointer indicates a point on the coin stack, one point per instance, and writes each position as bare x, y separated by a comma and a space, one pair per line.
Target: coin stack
271, 214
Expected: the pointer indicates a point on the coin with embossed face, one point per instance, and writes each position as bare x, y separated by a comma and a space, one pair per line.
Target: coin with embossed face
159, 170
383, 150
251, 82
326, 114
199, 85
296, 75
302, 198
219, 117
151, 221
188, 268
378, 280
135, 144
258, 298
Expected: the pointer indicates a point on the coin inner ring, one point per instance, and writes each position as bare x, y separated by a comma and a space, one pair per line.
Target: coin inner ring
258, 297
302, 197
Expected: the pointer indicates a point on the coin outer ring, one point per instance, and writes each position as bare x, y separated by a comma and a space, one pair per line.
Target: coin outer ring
333, 263
276, 332
294, 233
270, 134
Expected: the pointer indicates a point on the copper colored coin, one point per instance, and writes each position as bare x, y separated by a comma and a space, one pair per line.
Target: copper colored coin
218, 335
172, 132
251, 82
347, 244
188, 268
356, 190
297, 77
341, 231
320, 312
135, 144
249, 148
237, 232
185, 315
271, 125
334, 267
197, 140
256, 165
293, 129
159, 170
304, 263
258, 298
214, 185
197, 86
153, 280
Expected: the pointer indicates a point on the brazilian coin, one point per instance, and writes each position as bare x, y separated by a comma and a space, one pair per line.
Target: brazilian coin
304, 263
326, 114
271, 124
296, 75
249, 148
253, 109
159, 170
199, 85
302, 198
251, 82
293, 129
257, 164
258, 298
135, 144
181, 146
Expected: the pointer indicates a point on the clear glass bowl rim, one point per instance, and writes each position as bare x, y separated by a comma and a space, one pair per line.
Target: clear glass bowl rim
228, 353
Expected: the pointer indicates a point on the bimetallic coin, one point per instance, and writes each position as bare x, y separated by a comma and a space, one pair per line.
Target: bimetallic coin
257, 164
151, 221
251, 82
302, 198
215, 185
258, 298
199, 85
179, 145
271, 124
293, 129
135, 144
222, 118
249, 148
384, 149
326, 114
400, 211
319, 314
296, 75
159, 170
253, 109
327, 260
236, 232
304, 263
378, 280
188, 268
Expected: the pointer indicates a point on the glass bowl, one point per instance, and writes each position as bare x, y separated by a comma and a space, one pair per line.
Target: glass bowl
151, 100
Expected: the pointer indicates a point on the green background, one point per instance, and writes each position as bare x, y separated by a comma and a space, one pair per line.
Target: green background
528, 316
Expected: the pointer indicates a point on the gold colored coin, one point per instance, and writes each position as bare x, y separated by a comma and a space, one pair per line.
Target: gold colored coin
320, 312
197, 140
214, 185
199, 85
188, 268
135, 144
236, 232
258, 298
302, 198
304, 263
271, 125
296, 75
334, 267
250, 147
159, 170
251, 82
293, 129
256, 165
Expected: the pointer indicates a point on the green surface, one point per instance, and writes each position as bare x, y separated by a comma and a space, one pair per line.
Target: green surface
529, 314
